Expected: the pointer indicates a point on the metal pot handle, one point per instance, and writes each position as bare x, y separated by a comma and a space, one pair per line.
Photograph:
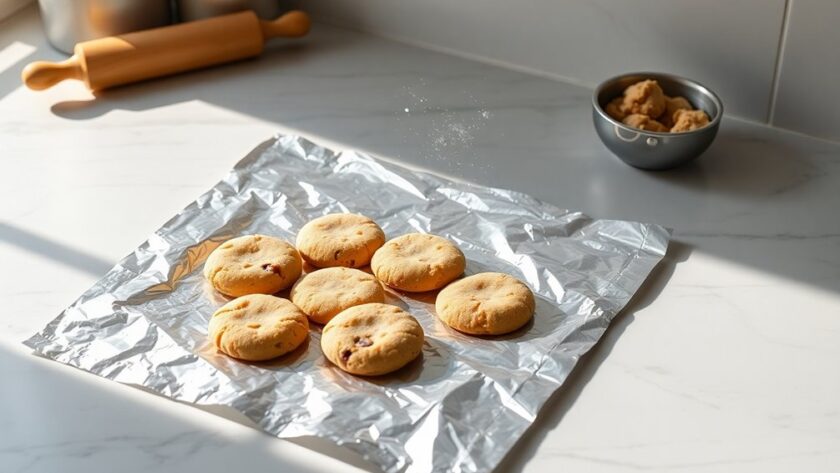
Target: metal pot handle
628, 140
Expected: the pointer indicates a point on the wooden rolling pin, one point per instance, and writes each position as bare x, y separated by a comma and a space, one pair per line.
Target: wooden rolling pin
132, 57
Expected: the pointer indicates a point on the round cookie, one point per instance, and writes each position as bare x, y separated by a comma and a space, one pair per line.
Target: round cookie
418, 262
252, 264
372, 339
486, 304
258, 327
339, 240
324, 293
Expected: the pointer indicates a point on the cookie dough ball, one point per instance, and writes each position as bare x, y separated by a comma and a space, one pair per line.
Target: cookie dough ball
687, 120
672, 104
339, 240
324, 293
372, 339
643, 122
418, 262
615, 108
486, 304
258, 327
645, 98
253, 264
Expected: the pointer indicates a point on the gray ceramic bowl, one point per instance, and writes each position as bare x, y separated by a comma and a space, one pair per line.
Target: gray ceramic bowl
648, 149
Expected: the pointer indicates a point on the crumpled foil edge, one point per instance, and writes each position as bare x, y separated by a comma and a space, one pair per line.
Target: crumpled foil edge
101, 332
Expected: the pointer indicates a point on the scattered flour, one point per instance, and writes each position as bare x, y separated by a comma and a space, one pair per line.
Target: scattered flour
450, 134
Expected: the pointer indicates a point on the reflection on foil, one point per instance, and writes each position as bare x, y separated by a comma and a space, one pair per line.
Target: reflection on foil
461, 406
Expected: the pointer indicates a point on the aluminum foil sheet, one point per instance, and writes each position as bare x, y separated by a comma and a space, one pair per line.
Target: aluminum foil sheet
460, 406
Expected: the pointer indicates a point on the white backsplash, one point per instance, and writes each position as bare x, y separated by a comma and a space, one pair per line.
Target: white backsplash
729, 46
766, 67
807, 97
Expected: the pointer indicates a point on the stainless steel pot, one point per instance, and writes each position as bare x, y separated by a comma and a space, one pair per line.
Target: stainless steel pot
189, 10
68, 22
651, 150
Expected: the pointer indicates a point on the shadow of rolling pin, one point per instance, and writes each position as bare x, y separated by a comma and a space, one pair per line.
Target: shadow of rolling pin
132, 57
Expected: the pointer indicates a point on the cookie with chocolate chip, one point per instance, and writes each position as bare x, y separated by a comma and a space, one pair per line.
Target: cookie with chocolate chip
253, 264
372, 339
347, 240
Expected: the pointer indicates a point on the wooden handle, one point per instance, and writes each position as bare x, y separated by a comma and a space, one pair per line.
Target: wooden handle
42, 75
132, 57
291, 25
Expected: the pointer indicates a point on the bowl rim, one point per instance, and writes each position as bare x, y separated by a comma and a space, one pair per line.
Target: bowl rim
654, 75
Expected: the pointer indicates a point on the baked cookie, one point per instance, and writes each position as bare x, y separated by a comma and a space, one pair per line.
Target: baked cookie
258, 327
372, 339
252, 264
339, 240
486, 304
418, 262
324, 293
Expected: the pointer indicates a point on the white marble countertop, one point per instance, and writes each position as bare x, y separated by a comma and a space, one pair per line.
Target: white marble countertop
726, 360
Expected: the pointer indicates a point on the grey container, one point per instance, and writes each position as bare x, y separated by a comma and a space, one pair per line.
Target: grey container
68, 22
189, 10
651, 150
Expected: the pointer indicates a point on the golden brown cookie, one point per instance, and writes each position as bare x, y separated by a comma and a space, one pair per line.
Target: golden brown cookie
252, 264
645, 98
324, 293
258, 327
687, 120
418, 262
339, 240
486, 304
644, 122
372, 339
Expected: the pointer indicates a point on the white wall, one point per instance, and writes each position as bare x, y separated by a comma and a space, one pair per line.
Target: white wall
808, 99
729, 45
773, 61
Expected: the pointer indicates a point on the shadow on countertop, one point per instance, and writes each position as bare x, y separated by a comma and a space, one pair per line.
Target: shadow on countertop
563, 400
54, 250
741, 165
59, 419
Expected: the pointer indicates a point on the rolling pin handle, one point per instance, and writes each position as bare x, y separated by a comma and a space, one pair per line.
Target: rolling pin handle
42, 75
291, 25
